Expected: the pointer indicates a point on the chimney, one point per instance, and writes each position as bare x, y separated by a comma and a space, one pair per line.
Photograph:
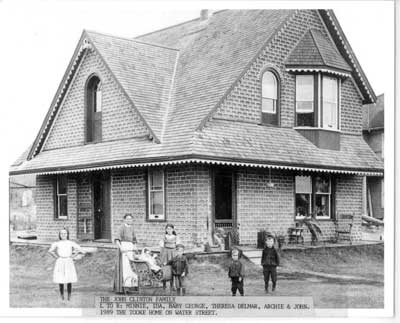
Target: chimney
204, 14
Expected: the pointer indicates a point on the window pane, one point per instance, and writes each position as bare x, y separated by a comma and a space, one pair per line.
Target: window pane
305, 119
304, 88
156, 203
156, 180
329, 117
98, 102
330, 89
330, 103
269, 86
322, 205
302, 205
304, 106
322, 185
303, 184
268, 105
62, 185
62, 202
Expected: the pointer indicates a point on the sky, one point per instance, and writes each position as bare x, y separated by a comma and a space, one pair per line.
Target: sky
38, 39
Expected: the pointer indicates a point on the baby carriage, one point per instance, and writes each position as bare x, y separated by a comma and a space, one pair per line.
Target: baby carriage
149, 276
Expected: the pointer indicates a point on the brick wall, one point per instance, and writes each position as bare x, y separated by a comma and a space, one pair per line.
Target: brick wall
261, 207
188, 190
119, 120
349, 199
47, 226
188, 203
244, 101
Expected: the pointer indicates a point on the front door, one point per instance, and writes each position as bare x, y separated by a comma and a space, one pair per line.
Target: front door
101, 208
224, 199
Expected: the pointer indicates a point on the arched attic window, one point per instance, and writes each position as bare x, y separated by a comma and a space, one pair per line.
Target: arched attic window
93, 109
270, 98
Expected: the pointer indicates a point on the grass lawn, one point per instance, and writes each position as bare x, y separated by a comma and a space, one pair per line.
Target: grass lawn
31, 270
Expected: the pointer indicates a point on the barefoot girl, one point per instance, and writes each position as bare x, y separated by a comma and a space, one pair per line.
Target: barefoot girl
64, 269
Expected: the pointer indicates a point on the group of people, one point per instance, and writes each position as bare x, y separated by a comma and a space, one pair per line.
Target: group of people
171, 254
171, 259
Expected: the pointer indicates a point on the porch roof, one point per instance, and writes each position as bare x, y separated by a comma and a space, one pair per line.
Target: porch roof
221, 142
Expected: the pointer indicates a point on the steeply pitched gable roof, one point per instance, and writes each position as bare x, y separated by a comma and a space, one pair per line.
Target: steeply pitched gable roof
347, 52
212, 57
144, 71
316, 50
176, 77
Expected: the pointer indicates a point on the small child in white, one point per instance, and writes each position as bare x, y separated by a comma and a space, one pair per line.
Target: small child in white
65, 251
151, 260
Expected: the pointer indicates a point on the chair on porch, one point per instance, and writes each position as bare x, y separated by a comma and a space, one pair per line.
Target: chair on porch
344, 226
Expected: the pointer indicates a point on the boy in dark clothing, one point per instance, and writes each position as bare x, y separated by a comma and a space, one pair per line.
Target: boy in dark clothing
180, 269
236, 273
269, 261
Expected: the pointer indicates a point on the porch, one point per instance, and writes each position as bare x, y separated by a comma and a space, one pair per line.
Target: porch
249, 251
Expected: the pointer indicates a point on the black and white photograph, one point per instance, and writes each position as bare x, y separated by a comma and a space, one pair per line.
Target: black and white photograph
168, 160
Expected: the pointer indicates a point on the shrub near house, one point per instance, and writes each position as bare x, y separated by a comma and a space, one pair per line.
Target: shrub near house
243, 119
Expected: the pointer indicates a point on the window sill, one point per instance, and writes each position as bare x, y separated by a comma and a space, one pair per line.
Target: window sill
61, 219
316, 128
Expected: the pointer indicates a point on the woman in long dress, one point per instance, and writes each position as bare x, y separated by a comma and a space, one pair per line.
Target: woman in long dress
65, 251
124, 277
167, 247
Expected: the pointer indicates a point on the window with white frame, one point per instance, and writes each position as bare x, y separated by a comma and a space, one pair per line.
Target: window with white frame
329, 102
317, 101
269, 100
305, 100
156, 193
61, 198
313, 195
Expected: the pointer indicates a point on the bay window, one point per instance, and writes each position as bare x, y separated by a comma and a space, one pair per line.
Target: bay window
313, 196
317, 101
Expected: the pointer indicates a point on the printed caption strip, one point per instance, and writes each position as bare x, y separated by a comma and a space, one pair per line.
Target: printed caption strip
201, 306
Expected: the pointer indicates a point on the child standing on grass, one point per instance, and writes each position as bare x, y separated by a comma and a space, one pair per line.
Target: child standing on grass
236, 273
167, 248
269, 261
65, 251
180, 269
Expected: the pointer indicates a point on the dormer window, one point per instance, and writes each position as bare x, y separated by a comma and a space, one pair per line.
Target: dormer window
317, 101
270, 98
93, 110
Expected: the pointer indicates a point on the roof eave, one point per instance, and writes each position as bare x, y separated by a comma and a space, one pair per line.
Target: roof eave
344, 47
203, 159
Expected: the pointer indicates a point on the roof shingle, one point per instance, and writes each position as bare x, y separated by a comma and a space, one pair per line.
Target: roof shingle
316, 50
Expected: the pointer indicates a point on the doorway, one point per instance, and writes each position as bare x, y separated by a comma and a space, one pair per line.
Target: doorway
224, 200
101, 207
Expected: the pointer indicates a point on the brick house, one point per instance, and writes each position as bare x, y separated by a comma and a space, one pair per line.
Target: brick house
374, 135
242, 118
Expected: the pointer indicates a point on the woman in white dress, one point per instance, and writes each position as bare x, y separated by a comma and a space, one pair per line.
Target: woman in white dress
65, 251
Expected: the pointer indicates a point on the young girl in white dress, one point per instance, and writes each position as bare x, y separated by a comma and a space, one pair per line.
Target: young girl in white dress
65, 251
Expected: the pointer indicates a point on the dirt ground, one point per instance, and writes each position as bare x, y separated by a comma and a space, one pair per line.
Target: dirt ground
350, 277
